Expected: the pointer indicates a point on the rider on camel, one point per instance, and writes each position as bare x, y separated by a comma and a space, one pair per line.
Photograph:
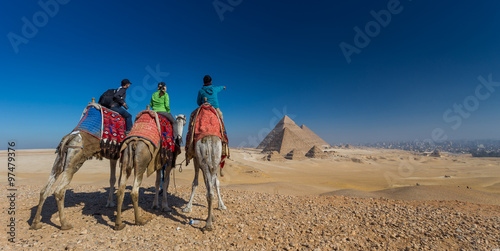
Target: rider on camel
161, 104
119, 103
210, 91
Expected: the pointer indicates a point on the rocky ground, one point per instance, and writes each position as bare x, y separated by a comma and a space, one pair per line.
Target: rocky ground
256, 221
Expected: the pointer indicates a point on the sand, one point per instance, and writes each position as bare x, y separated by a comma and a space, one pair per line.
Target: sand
391, 177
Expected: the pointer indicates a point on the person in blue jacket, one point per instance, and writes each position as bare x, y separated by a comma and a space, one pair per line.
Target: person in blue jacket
210, 91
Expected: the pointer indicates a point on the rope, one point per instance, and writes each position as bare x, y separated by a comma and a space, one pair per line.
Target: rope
175, 185
180, 165
173, 174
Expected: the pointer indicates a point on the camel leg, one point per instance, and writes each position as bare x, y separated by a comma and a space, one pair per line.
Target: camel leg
221, 203
187, 208
44, 193
166, 181
112, 181
122, 182
135, 197
157, 190
60, 192
210, 196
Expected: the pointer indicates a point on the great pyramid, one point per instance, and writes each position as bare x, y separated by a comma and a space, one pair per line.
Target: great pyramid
287, 136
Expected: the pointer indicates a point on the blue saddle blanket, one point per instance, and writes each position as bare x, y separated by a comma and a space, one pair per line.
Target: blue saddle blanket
91, 122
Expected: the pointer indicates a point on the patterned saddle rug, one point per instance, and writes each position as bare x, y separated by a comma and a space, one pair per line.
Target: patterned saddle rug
106, 125
205, 121
156, 129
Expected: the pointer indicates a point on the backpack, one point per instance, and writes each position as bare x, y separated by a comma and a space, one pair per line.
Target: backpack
106, 98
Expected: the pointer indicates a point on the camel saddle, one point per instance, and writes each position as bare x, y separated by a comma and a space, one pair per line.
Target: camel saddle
205, 121
106, 125
158, 134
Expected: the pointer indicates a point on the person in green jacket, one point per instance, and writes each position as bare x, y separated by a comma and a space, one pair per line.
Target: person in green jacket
160, 104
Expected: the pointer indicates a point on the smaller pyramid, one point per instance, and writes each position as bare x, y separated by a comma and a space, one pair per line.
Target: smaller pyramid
316, 153
274, 156
295, 154
436, 153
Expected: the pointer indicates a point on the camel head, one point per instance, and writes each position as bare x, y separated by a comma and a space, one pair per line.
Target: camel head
181, 122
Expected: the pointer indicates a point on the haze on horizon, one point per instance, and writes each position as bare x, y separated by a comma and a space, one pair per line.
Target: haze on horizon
353, 72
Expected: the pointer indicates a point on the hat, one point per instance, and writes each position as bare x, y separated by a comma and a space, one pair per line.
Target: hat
125, 81
161, 85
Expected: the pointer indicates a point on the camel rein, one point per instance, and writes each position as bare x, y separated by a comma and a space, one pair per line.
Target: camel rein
180, 171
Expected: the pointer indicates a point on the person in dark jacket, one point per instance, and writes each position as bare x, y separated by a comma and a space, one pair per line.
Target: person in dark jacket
119, 103
210, 92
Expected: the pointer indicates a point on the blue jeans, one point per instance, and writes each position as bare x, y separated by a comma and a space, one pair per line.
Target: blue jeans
125, 115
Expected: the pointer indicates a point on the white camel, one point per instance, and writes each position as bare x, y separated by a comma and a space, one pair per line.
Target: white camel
137, 157
208, 151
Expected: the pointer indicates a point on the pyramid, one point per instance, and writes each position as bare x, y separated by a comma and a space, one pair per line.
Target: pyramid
317, 153
315, 138
295, 154
287, 136
274, 156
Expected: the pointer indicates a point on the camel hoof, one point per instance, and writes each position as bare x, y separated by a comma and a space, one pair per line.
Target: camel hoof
155, 207
222, 207
186, 210
206, 228
110, 204
36, 226
166, 209
141, 222
66, 227
119, 227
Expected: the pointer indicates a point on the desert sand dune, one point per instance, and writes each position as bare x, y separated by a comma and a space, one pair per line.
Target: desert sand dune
324, 204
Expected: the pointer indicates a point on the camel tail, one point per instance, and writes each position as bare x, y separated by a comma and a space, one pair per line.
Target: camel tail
129, 158
62, 151
212, 153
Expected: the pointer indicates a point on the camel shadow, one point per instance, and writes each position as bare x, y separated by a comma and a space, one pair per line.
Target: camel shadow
94, 204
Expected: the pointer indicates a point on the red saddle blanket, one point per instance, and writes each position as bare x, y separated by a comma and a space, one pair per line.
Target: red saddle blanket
204, 121
159, 132
145, 126
114, 126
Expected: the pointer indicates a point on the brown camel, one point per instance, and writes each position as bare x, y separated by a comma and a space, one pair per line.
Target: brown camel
73, 150
137, 153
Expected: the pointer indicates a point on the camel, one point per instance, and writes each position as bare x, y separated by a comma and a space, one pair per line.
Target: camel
136, 156
73, 150
208, 151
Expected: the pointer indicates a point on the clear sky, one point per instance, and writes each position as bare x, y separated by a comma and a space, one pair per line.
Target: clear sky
352, 71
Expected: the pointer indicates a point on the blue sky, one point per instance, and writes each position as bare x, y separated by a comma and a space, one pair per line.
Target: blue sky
274, 58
